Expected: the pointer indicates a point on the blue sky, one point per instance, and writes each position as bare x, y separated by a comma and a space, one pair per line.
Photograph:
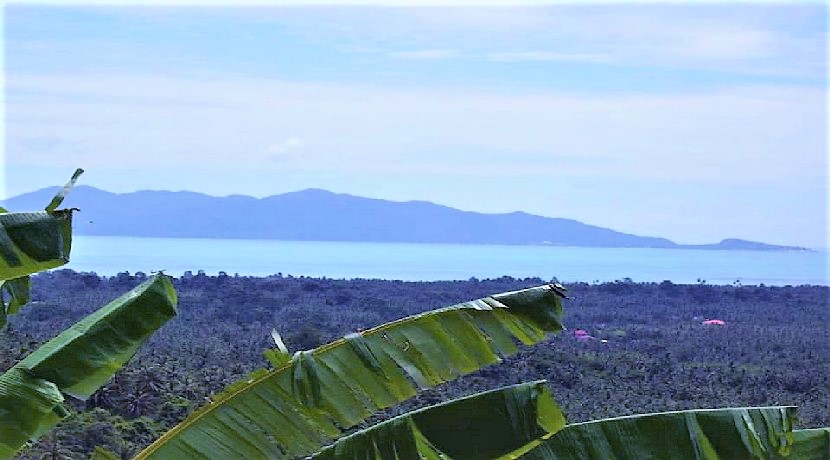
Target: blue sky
694, 122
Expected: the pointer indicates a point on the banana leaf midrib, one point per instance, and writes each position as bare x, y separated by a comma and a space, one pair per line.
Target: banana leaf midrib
251, 384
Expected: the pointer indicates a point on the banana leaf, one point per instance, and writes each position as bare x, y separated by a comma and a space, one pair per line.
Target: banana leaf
31, 242
28, 407
280, 355
297, 408
84, 357
811, 444
59, 197
79, 361
18, 292
709, 434
481, 426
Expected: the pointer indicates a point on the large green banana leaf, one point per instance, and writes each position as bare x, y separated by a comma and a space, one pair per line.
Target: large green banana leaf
34, 241
302, 405
709, 434
812, 444
31, 242
79, 361
482, 426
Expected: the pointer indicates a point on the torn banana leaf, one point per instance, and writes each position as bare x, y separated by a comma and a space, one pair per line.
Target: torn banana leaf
485, 425
280, 355
709, 434
61, 195
299, 407
79, 361
811, 444
31, 242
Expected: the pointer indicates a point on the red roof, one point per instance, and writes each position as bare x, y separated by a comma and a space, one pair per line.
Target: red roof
716, 322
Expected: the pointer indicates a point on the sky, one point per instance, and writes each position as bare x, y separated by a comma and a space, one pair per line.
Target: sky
695, 122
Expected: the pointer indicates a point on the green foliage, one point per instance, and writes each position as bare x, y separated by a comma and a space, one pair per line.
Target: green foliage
84, 357
103, 454
711, 434
297, 408
79, 360
28, 407
309, 399
18, 292
31, 242
484, 425
812, 444
522, 421
34, 241
59, 197
280, 355
79, 437
668, 361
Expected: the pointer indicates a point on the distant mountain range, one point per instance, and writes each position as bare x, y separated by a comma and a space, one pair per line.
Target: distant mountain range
320, 215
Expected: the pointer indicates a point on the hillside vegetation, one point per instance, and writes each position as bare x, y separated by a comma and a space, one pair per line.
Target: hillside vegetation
774, 348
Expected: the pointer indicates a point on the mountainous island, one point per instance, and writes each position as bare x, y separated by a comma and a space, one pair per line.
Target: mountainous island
320, 215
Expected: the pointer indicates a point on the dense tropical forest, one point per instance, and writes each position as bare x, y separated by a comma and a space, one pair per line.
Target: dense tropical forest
648, 349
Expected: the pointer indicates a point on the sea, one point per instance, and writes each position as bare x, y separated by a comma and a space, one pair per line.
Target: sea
109, 255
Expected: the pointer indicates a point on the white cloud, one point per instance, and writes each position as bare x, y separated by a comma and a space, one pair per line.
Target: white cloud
750, 38
285, 146
424, 54
179, 119
773, 39
518, 56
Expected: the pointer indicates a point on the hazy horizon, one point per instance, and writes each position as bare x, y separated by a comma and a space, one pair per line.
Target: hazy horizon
693, 122
71, 203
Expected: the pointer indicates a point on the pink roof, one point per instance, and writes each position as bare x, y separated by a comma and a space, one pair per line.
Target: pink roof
580, 332
716, 322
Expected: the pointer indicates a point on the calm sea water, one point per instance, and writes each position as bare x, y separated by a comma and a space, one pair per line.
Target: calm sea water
424, 262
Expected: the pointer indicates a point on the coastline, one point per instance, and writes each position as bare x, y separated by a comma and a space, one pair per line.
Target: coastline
435, 262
